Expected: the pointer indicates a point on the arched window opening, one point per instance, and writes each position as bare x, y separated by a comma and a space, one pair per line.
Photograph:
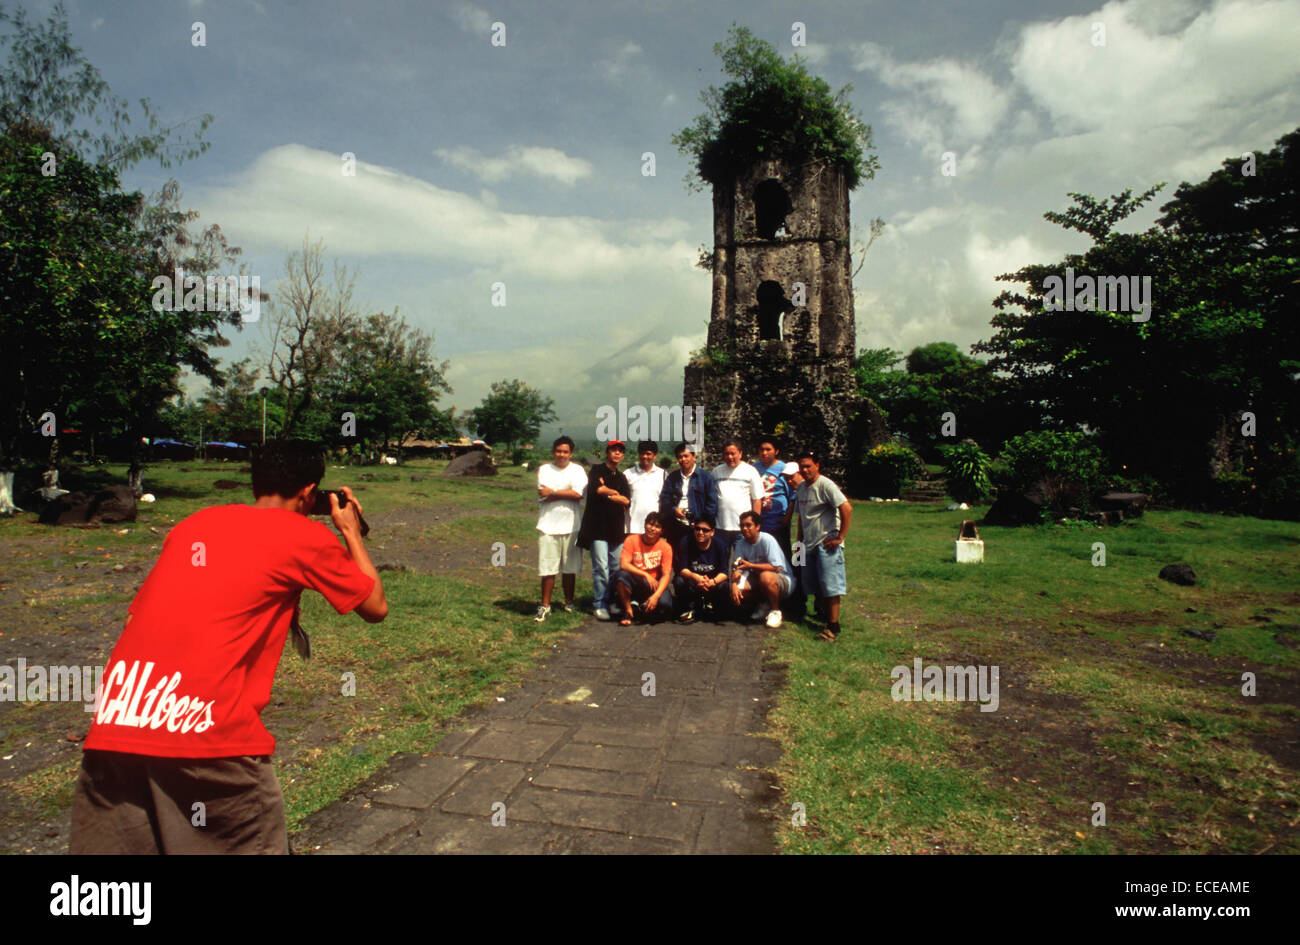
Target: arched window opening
772, 305
771, 205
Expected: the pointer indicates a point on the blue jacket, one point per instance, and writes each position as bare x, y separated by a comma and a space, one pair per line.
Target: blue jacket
703, 497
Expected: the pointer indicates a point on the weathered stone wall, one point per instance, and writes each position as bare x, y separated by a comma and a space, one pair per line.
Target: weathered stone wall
787, 368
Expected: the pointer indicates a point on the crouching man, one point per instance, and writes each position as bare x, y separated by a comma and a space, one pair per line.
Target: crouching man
701, 587
177, 759
760, 574
644, 572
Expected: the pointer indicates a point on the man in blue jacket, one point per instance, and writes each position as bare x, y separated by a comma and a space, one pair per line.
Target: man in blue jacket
687, 494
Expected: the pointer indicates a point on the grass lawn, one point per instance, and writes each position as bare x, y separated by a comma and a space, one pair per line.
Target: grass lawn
459, 630
1103, 699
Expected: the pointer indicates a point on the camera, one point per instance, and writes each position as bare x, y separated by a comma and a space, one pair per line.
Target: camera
322, 506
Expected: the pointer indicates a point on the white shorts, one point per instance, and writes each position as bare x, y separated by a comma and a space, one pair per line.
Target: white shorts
558, 553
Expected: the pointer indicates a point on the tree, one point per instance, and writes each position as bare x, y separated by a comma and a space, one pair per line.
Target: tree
939, 379
772, 107
48, 83
309, 319
79, 299
68, 284
512, 413
385, 373
1167, 396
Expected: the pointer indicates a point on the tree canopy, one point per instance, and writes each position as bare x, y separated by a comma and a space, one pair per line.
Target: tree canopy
772, 107
511, 413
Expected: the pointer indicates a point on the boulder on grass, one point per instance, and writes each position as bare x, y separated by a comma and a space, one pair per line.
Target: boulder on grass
107, 506
1178, 574
1026, 508
474, 463
1132, 504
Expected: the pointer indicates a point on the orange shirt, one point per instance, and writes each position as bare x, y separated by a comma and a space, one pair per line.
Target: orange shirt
656, 558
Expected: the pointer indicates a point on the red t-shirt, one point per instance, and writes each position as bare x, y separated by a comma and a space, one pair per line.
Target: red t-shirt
192, 671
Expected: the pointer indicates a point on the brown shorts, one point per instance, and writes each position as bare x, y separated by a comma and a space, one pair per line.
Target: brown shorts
135, 804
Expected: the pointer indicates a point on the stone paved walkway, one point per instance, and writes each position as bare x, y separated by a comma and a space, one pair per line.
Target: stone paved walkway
584, 760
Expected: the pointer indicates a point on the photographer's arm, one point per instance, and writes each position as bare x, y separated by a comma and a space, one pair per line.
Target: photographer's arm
347, 519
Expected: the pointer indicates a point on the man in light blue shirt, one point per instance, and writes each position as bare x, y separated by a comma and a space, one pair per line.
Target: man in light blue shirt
760, 573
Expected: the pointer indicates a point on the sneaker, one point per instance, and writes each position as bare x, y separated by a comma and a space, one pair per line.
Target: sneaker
636, 610
541, 613
687, 617
774, 619
601, 613
761, 611
567, 607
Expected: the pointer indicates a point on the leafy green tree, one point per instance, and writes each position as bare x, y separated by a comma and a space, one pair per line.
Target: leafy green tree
47, 82
772, 107
939, 379
70, 285
385, 373
87, 250
1167, 396
511, 413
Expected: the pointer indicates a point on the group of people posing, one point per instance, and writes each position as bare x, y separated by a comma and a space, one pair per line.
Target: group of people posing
692, 544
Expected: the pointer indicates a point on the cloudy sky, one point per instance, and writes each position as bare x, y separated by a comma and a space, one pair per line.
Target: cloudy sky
522, 163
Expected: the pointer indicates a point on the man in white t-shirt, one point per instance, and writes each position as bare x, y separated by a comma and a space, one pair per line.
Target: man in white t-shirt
560, 487
740, 489
647, 481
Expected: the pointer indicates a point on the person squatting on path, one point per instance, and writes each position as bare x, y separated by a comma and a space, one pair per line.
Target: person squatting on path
778, 509
701, 587
603, 523
824, 516
644, 572
560, 487
177, 759
760, 574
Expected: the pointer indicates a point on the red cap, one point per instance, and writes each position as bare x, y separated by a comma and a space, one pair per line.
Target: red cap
616, 443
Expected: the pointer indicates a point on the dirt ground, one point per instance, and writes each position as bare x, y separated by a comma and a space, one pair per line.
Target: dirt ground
61, 605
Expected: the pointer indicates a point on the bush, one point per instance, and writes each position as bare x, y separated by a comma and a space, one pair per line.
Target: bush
1069, 463
966, 467
521, 455
890, 468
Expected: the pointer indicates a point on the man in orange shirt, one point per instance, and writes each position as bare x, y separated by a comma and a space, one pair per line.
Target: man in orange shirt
645, 569
177, 759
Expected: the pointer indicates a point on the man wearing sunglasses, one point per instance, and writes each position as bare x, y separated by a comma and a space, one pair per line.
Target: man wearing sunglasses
701, 587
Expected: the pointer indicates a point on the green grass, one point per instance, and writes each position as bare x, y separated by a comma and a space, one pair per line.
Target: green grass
1125, 709
447, 643
1104, 699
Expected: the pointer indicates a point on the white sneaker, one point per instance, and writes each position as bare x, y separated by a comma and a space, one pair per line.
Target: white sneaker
542, 613
761, 611
602, 613
774, 619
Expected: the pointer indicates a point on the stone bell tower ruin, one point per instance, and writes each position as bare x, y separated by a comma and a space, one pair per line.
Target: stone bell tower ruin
781, 342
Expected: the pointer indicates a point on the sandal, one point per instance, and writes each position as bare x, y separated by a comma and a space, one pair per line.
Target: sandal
828, 636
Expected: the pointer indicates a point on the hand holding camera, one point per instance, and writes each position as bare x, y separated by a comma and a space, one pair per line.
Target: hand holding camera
343, 507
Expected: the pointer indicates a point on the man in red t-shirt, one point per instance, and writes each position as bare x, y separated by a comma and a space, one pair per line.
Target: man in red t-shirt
177, 759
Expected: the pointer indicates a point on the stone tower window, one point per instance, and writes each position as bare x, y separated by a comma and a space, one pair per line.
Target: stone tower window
772, 305
771, 205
